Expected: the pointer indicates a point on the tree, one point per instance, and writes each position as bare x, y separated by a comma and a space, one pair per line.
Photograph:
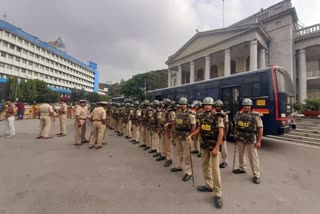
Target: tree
12, 87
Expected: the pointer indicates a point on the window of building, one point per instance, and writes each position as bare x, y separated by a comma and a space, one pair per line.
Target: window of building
24, 61
16, 68
7, 34
25, 52
17, 59
10, 56
35, 74
20, 40
11, 46
29, 72
38, 49
41, 67
5, 44
18, 49
30, 63
3, 54
37, 57
9, 67
31, 54
36, 65
233, 67
23, 70
41, 75
1, 65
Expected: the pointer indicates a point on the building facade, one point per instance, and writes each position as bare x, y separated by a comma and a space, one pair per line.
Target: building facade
270, 37
26, 57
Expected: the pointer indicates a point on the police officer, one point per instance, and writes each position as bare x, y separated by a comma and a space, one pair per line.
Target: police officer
62, 118
248, 133
98, 119
224, 151
136, 121
46, 118
185, 124
81, 113
196, 138
168, 118
211, 132
144, 124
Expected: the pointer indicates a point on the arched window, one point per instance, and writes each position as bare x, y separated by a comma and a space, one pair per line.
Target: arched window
213, 71
233, 67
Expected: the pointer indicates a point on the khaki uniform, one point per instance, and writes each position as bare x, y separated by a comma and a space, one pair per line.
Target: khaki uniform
137, 125
63, 117
98, 117
183, 159
170, 116
45, 111
243, 144
80, 133
210, 164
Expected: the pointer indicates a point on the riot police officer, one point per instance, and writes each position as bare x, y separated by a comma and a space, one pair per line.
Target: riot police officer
185, 124
224, 151
248, 133
211, 132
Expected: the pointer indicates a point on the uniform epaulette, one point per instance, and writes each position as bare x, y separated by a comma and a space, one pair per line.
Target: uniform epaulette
254, 113
221, 114
192, 112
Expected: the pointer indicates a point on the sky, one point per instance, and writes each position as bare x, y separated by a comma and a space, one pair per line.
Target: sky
127, 37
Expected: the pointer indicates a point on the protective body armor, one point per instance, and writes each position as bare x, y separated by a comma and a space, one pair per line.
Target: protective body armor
208, 131
246, 127
144, 117
182, 123
115, 113
136, 117
151, 119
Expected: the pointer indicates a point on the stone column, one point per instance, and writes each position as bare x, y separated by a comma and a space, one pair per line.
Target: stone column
302, 75
169, 78
227, 62
179, 74
207, 68
253, 54
262, 58
191, 71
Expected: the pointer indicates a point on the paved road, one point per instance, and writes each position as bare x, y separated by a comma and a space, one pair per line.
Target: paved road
53, 176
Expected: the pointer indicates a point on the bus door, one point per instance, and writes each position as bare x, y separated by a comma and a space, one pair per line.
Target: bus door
231, 99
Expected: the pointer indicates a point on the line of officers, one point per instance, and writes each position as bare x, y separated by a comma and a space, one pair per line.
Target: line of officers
166, 128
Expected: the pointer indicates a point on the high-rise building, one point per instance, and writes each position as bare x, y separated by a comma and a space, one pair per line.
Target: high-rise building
26, 57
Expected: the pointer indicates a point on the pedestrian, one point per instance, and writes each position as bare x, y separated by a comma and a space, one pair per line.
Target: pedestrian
10, 117
185, 123
21, 110
248, 133
81, 116
210, 129
63, 110
47, 118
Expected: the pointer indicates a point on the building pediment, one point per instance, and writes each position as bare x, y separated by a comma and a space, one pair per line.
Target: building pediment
203, 40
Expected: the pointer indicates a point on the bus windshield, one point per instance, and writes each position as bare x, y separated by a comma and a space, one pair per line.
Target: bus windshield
284, 82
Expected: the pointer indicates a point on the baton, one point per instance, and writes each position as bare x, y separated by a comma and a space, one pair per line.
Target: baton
191, 164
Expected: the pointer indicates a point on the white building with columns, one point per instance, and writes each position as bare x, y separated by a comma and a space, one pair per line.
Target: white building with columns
270, 37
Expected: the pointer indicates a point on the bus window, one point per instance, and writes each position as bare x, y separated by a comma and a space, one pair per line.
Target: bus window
284, 82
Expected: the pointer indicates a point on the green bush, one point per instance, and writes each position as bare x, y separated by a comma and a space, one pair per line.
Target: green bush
297, 106
312, 104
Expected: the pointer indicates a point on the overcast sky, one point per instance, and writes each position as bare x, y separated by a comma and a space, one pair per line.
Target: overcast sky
127, 37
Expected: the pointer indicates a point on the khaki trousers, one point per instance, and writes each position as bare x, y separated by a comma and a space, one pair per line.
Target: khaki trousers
136, 131
183, 154
120, 126
143, 135
97, 133
211, 172
162, 144
80, 132
252, 155
155, 141
45, 125
224, 151
129, 127
196, 142
62, 119
149, 139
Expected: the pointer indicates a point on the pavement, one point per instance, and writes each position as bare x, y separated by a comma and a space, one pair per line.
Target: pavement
54, 176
